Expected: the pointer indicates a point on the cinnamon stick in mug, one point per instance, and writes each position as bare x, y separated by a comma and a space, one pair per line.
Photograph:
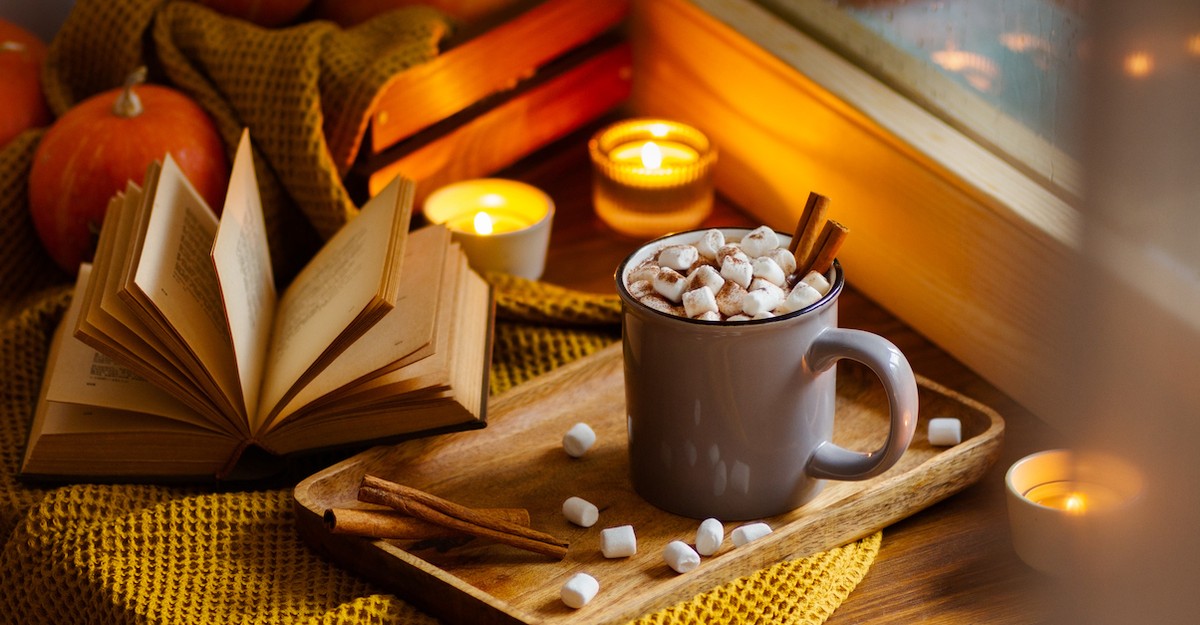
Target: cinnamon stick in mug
832, 237
808, 228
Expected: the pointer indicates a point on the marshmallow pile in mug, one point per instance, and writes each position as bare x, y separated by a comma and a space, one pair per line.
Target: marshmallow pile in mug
719, 280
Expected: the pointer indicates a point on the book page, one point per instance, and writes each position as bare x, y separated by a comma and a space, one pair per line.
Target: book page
175, 275
242, 261
82, 375
339, 294
406, 332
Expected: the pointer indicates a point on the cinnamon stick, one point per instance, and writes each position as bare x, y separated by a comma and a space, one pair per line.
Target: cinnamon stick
396, 525
808, 228
460, 518
832, 237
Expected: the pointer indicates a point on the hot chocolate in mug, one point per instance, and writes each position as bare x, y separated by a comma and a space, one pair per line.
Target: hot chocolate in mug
734, 419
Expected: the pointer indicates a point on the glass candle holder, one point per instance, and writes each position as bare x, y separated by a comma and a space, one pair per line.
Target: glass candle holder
652, 176
502, 225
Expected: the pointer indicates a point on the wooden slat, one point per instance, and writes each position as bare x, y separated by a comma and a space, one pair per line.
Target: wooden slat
948, 236
493, 61
510, 131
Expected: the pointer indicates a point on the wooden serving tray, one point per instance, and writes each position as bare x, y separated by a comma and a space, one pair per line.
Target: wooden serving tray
518, 461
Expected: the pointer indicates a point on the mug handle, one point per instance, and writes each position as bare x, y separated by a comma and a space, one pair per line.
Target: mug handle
831, 461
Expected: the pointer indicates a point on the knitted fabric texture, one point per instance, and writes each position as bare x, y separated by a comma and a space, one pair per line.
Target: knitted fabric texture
157, 554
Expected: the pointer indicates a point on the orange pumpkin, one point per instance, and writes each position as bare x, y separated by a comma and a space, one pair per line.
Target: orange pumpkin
100, 144
267, 13
21, 56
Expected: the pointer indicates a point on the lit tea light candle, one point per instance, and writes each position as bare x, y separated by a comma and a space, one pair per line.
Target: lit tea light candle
1055, 497
1074, 497
652, 176
502, 225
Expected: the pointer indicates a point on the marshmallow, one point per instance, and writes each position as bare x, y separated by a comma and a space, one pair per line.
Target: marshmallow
766, 314
784, 258
654, 301
700, 301
645, 271
738, 317
709, 537
760, 241
749, 532
708, 315
729, 298
580, 511
641, 288
945, 431
801, 296
579, 590
678, 257
670, 284
731, 249
710, 242
578, 440
764, 299
680, 556
705, 275
769, 270
737, 270
618, 542
817, 281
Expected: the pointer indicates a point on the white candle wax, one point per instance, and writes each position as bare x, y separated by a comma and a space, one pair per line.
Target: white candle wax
502, 225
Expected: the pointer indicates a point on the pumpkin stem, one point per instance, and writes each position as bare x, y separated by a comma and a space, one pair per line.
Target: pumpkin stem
128, 104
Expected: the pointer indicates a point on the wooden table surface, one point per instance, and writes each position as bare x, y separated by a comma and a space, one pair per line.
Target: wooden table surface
951, 563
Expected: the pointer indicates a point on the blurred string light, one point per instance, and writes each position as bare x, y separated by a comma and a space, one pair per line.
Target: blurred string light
1138, 64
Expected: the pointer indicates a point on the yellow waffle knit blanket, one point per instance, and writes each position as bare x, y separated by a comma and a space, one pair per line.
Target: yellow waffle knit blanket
155, 554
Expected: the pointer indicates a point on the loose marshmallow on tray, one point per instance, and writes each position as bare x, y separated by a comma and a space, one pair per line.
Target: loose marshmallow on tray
753, 278
618, 542
578, 440
680, 556
709, 537
579, 590
580, 511
945, 431
749, 532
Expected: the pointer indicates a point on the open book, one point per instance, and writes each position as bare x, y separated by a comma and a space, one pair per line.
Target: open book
177, 354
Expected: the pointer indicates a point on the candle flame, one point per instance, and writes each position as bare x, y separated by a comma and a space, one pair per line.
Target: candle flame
1075, 504
651, 155
483, 223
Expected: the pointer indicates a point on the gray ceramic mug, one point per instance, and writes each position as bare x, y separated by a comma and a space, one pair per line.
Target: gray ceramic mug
734, 420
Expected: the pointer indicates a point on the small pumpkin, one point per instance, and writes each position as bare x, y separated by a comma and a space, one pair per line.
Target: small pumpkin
89, 154
23, 105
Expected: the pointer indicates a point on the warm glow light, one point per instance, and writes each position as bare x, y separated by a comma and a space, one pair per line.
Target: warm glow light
1193, 45
658, 130
483, 223
1075, 503
491, 200
1139, 64
976, 69
651, 155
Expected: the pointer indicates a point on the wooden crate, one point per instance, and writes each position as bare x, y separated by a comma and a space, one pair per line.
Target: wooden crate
509, 87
